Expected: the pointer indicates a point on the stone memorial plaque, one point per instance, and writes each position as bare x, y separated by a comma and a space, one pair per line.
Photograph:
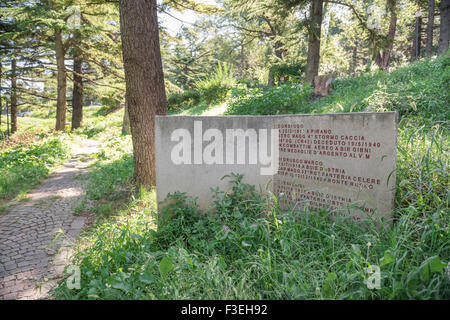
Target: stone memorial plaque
341, 162
197, 168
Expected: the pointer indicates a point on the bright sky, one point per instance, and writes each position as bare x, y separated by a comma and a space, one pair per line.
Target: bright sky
187, 17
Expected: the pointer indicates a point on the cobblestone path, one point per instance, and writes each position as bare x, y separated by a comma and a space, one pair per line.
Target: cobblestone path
35, 234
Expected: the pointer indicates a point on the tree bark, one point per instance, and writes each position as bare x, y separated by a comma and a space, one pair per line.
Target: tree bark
13, 96
1, 106
316, 16
430, 25
392, 28
61, 79
444, 30
77, 96
145, 93
279, 53
241, 60
415, 51
354, 58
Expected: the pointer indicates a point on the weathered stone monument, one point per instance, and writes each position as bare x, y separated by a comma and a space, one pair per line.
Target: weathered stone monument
342, 162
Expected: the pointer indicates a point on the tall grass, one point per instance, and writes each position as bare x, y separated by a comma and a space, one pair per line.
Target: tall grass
245, 251
23, 166
214, 89
245, 248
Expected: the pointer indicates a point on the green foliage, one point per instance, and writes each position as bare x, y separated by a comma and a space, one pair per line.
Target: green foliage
216, 88
181, 101
290, 72
244, 248
107, 177
287, 98
23, 166
420, 90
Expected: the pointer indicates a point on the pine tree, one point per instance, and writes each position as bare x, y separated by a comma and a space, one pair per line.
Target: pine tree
145, 93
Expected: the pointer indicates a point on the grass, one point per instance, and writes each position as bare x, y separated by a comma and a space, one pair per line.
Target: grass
245, 251
245, 248
23, 166
417, 91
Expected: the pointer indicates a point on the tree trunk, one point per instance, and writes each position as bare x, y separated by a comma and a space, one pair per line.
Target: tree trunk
126, 120
354, 58
392, 27
77, 96
430, 25
61, 79
415, 51
145, 93
444, 30
279, 53
316, 15
1, 106
13, 96
241, 60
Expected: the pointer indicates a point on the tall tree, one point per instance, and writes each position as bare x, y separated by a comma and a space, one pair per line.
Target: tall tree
61, 80
444, 30
417, 37
1, 105
430, 25
145, 93
386, 55
265, 20
314, 31
13, 95
77, 95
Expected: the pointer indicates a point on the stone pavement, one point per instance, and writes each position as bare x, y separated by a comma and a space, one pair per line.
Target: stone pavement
35, 234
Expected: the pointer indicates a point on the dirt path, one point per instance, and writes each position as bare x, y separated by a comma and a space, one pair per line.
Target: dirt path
31, 260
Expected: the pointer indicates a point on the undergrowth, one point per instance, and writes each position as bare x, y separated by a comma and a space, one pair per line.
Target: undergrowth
245, 248
25, 165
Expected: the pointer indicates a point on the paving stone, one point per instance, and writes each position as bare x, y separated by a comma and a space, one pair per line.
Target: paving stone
28, 231
78, 223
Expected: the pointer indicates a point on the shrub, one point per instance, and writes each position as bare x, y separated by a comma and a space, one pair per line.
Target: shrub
23, 166
180, 101
290, 72
215, 88
287, 98
246, 249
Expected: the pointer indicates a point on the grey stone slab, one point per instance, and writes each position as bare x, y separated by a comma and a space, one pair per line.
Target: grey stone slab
343, 162
78, 223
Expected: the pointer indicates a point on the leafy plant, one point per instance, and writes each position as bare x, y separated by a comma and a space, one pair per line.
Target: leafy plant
216, 88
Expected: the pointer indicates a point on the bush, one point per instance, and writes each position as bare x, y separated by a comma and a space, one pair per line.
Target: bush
287, 98
215, 89
290, 72
180, 101
244, 248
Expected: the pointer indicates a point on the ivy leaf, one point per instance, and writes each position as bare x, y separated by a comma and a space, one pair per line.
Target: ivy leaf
165, 266
431, 265
121, 286
388, 258
147, 278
